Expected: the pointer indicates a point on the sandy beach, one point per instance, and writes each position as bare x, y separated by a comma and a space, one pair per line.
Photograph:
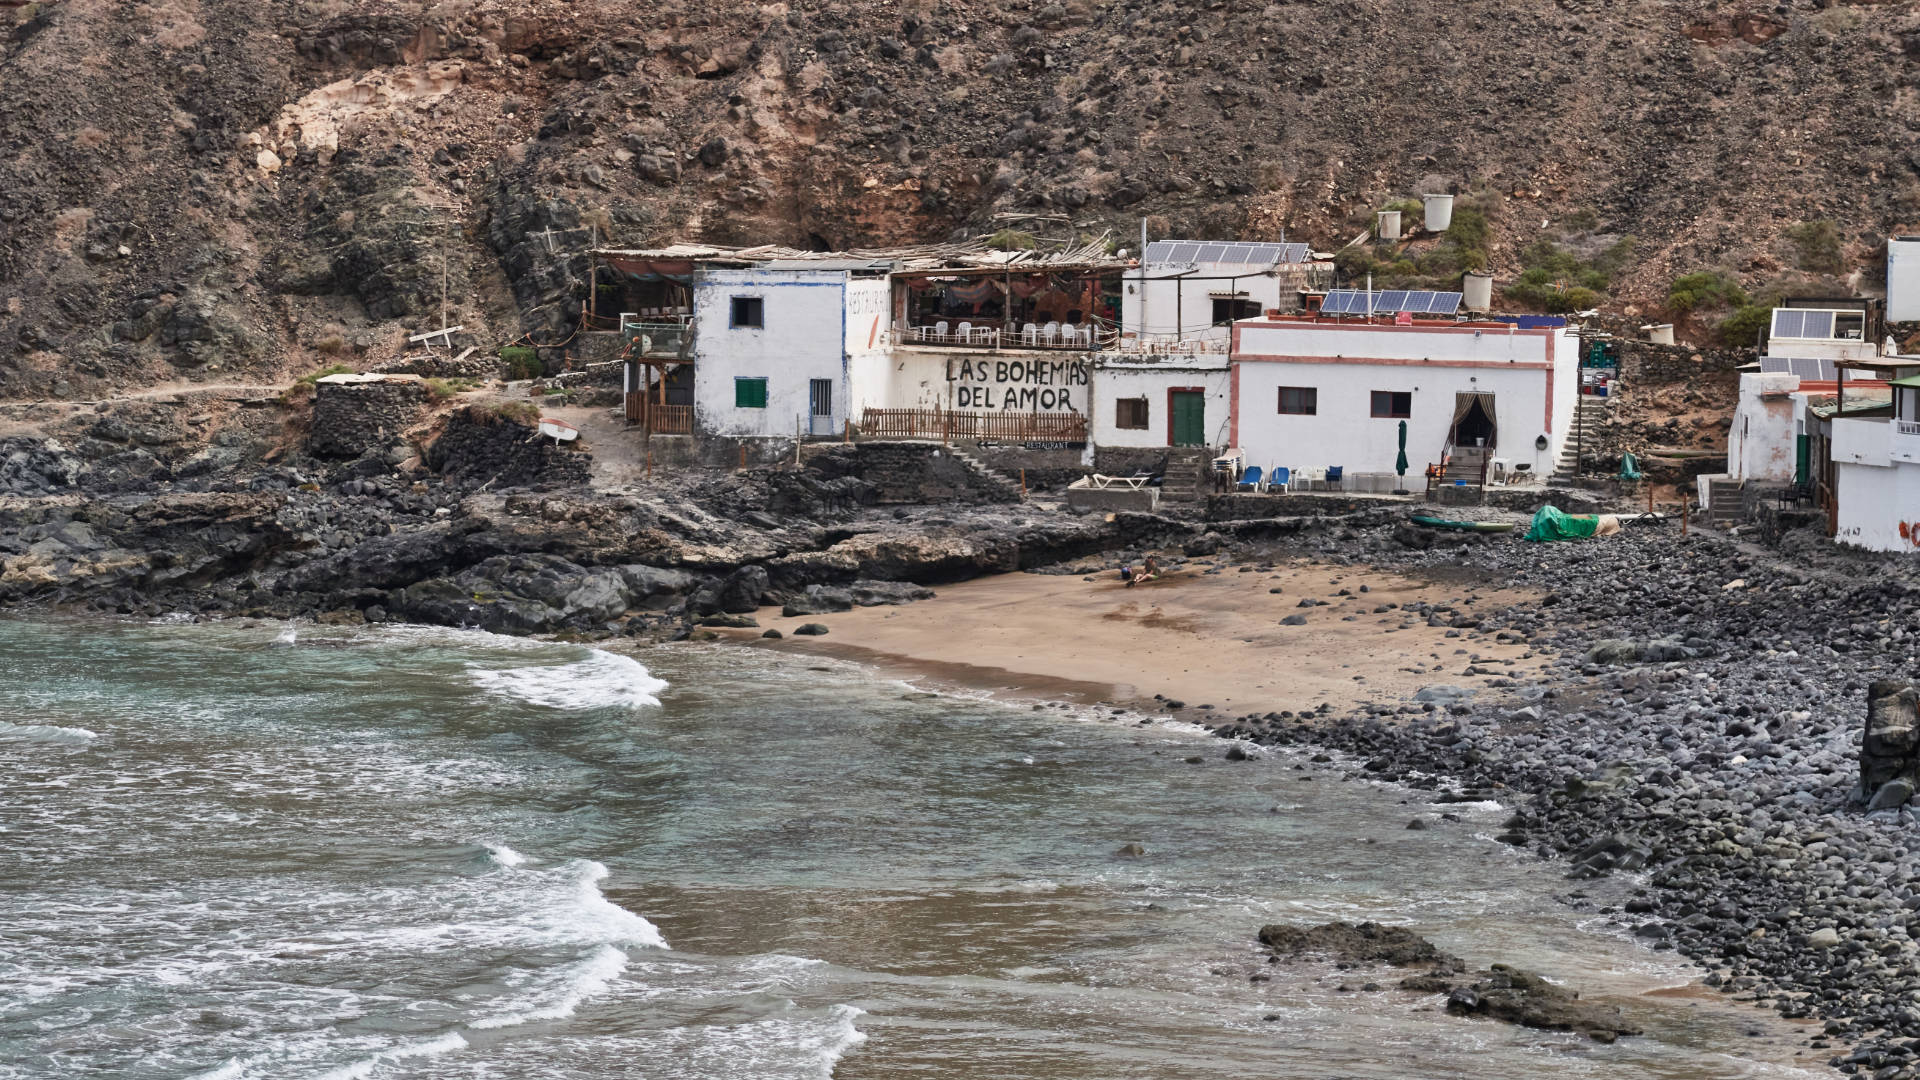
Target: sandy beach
1194, 637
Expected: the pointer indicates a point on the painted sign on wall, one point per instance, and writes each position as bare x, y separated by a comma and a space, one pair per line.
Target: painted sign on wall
996, 384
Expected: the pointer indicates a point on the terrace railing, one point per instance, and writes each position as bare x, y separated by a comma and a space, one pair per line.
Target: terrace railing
947, 424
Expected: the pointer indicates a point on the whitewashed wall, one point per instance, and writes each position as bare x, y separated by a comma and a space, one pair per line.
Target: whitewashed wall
804, 337
1113, 382
1343, 432
1374, 341
1162, 306
1763, 442
1903, 279
1877, 495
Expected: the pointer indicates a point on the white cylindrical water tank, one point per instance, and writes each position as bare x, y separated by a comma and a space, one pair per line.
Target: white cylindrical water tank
1439, 212
1476, 292
1389, 227
1659, 333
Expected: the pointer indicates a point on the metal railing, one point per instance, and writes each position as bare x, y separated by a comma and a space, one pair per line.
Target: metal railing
1083, 338
1906, 427
658, 338
952, 424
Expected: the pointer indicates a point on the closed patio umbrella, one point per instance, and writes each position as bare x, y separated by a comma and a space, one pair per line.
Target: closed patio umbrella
1400, 463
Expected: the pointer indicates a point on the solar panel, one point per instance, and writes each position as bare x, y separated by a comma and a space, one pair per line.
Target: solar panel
1391, 301
1338, 302
1158, 251
1818, 324
1786, 322
1444, 303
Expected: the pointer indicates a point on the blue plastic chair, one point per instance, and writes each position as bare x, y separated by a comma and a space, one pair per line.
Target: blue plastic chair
1334, 474
1250, 480
1279, 478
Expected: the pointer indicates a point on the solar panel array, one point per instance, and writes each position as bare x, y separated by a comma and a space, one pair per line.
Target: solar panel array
1223, 254
1805, 367
1797, 323
1390, 302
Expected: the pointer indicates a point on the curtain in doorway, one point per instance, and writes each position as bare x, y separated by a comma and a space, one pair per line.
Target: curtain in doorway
1464, 403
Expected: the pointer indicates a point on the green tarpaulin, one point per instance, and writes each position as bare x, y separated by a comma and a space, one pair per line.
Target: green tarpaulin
1629, 468
1549, 523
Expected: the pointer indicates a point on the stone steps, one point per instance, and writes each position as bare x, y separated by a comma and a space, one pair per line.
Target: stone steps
988, 479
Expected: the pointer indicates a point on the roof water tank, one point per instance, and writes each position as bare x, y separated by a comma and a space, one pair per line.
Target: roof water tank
1439, 212
1659, 333
1389, 228
1476, 292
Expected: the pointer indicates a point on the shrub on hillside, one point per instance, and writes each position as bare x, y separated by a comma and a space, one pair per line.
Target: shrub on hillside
522, 362
1705, 289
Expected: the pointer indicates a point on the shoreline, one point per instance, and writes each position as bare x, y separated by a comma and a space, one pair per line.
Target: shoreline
1201, 642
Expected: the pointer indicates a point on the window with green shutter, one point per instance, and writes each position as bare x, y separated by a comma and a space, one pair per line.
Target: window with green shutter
749, 393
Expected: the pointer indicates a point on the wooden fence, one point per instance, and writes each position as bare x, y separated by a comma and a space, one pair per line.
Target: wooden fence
657, 418
952, 424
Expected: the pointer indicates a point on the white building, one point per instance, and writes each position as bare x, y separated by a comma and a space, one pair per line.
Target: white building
1161, 400
1193, 290
1819, 333
1867, 457
1903, 279
775, 345
1767, 441
1315, 392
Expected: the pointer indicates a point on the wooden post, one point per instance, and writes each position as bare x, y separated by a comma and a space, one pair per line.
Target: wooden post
1649, 496
1683, 513
649, 464
1023, 483
743, 453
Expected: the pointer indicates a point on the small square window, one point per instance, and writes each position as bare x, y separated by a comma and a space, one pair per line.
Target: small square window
1392, 404
748, 311
1299, 400
749, 393
1130, 414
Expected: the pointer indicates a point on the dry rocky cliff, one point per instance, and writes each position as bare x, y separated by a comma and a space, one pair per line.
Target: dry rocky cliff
261, 187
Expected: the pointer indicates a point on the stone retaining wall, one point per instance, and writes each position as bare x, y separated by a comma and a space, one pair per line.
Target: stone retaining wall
1645, 362
906, 472
482, 448
351, 418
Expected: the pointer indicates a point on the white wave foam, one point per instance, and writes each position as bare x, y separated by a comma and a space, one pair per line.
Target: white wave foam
287, 636
602, 680
596, 917
359, 1070
505, 855
576, 983
45, 733
764, 1046
230, 1070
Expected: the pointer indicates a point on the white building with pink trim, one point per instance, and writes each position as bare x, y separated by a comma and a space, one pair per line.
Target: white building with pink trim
1314, 392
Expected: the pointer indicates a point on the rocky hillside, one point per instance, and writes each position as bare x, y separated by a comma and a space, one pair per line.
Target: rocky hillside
257, 188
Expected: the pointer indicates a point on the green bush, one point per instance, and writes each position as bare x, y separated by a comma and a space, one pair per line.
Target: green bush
1817, 247
522, 362
441, 389
1467, 233
1011, 240
330, 369
522, 412
1705, 289
1743, 327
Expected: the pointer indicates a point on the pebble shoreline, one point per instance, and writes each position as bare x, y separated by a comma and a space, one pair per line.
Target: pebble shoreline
1698, 723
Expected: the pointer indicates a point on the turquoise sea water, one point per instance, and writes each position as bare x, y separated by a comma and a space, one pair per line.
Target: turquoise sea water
263, 851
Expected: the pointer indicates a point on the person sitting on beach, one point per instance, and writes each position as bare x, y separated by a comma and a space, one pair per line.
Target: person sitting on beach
1147, 572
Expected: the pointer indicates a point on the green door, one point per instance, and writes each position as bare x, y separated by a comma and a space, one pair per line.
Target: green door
1189, 418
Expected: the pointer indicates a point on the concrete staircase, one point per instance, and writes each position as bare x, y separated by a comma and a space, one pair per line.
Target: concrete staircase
996, 485
1189, 477
1589, 416
1465, 466
1724, 503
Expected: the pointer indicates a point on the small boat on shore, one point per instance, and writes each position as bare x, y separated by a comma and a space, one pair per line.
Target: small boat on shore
1462, 526
559, 430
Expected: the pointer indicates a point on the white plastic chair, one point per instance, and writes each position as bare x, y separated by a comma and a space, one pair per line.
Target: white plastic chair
965, 331
1050, 333
1030, 334
1307, 478
940, 330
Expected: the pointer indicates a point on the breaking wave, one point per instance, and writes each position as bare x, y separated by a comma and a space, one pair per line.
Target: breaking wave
45, 733
602, 680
